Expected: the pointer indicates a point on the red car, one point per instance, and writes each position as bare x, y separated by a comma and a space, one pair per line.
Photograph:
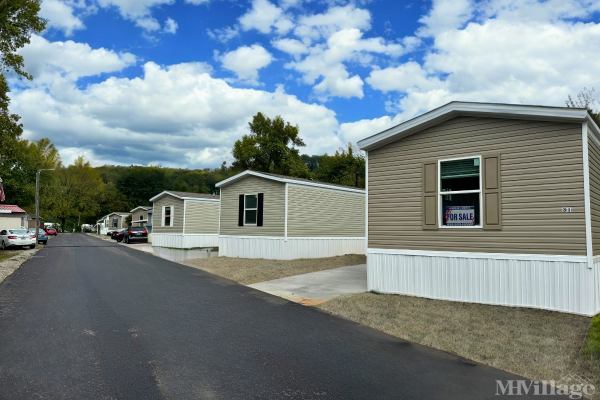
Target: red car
50, 231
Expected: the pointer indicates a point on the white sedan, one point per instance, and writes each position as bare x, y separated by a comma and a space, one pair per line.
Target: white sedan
16, 238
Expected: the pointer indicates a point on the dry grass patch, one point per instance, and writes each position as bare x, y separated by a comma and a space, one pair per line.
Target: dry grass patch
8, 254
248, 271
537, 344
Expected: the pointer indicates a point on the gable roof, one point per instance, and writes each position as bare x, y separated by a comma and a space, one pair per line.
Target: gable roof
289, 179
122, 214
145, 208
188, 196
491, 110
9, 209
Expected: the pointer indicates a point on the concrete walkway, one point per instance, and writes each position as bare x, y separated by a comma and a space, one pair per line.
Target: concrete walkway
321, 285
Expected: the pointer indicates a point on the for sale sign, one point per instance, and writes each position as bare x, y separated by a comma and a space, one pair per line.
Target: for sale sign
460, 216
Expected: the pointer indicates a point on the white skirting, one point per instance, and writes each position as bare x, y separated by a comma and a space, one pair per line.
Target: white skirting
104, 231
559, 283
277, 248
185, 241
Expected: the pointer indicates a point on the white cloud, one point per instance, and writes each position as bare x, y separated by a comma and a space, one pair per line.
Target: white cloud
446, 15
177, 115
329, 62
318, 26
266, 17
138, 11
170, 26
47, 61
291, 46
60, 15
246, 61
403, 78
223, 35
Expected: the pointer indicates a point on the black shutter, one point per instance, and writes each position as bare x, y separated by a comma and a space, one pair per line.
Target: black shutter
259, 213
241, 211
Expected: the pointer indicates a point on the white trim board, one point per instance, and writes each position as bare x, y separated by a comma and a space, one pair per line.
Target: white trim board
490, 256
586, 192
291, 181
457, 108
292, 237
189, 234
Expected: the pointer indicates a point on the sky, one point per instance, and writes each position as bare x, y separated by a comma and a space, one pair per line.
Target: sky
176, 82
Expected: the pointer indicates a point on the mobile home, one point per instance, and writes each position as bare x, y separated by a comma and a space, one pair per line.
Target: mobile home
487, 203
184, 220
279, 217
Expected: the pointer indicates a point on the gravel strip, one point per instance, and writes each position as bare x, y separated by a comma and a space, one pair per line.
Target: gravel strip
10, 265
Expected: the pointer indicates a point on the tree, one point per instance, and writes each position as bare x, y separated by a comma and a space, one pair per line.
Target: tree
75, 192
585, 99
270, 147
18, 21
345, 167
128, 220
112, 200
140, 184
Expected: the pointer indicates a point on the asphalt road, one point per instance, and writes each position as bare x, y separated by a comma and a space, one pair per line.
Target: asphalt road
89, 319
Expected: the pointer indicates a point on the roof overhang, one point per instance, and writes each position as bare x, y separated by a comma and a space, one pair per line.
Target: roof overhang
142, 207
245, 174
490, 110
167, 193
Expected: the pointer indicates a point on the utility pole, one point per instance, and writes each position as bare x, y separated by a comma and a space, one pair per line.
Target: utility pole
37, 203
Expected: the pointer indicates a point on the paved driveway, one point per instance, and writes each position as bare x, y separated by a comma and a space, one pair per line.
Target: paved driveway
88, 319
321, 285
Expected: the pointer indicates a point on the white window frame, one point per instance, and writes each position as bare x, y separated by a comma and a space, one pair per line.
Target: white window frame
256, 223
172, 216
440, 193
115, 222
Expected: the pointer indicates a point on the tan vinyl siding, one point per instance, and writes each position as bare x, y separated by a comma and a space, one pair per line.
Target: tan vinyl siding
120, 221
594, 160
325, 213
136, 216
541, 172
168, 201
273, 210
201, 217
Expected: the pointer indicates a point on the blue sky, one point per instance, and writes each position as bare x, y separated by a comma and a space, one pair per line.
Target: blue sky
175, 82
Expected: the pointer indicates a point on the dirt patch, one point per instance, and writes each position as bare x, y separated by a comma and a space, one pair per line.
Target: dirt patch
248, 271
537, 344
10, 265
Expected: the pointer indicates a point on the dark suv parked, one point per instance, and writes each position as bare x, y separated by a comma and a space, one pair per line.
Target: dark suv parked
136, 234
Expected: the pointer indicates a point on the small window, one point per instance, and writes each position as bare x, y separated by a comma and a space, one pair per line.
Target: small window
167, 216
250, 209
115, 222
460, 192
141, 217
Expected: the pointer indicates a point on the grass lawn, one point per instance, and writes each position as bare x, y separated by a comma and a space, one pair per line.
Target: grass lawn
248, 271
537, 344
8, 254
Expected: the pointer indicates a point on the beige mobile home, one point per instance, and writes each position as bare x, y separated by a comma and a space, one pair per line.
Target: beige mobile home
139, 216
12, 217
487, 203
114, 221
279, 217
184, 220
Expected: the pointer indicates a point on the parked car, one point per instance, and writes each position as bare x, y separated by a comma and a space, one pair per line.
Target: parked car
16, 238
50, 231
110, 233
136, 234
118, 234
43, 236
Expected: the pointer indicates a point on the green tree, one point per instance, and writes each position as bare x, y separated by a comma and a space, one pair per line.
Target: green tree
140, 184
585, 99
270, 147
75, 192
345, 167
18, 21
128, 220
111, 200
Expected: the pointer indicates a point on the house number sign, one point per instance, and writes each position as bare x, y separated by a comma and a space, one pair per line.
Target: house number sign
566, 209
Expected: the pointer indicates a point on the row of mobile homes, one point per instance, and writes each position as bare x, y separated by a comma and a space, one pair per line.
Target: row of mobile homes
111, 222
487, 203
279, 217
185, 220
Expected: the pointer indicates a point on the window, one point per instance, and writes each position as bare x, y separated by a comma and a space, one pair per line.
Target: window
168, 216
141, 217
460, 192
115, 222
250, 209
